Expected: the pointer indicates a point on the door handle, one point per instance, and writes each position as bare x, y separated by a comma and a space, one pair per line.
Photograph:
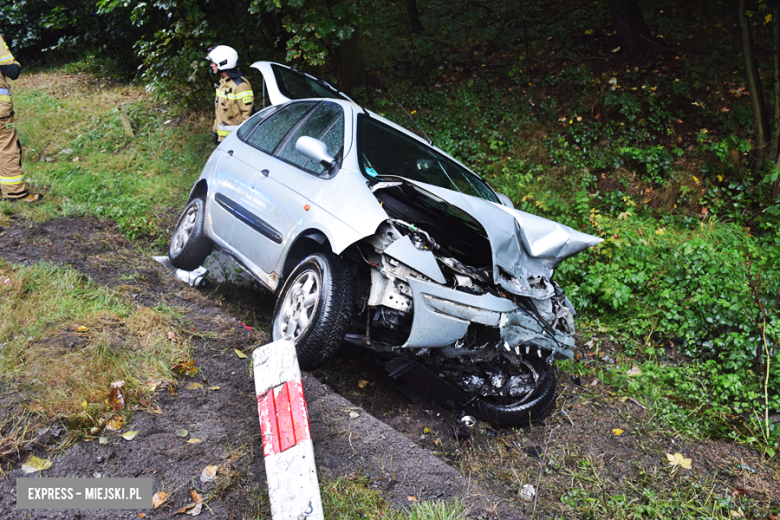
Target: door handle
265, 172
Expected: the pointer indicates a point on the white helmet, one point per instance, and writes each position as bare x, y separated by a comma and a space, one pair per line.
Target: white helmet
225, 57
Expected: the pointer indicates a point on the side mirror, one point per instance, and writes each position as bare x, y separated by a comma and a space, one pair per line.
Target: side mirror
506, 201
314, 150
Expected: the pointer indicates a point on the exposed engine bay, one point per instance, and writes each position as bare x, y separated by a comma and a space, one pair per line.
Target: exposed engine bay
429, 296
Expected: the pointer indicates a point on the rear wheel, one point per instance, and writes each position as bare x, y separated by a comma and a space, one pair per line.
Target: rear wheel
314, 308
189, 245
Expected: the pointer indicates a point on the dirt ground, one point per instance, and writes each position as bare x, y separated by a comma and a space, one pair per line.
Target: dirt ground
405, 450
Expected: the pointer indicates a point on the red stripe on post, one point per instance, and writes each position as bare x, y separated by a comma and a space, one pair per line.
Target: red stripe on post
284, 419
266, 410
298, 409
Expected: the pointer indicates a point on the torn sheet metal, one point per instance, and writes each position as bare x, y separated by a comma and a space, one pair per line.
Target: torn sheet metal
526, 248
518, 328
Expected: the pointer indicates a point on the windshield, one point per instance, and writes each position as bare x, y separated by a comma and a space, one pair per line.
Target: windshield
384, 151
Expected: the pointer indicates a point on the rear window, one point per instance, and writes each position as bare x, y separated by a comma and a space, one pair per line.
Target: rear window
296, 85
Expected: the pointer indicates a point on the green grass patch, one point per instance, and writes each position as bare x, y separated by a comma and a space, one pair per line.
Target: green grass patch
65, 340
91, 164
353, 498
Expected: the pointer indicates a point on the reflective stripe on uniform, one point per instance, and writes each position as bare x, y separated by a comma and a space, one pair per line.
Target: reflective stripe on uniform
5, 99
240, 95
11, 180
7, 57
227, 128
223, 133
5, 91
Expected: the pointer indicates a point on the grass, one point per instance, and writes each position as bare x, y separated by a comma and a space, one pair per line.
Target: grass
65, 340
87, 163
353, 498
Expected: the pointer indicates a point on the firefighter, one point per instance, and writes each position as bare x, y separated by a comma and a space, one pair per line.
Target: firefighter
11, 175
233, 102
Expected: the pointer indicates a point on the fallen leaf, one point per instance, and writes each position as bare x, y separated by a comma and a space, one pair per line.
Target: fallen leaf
594, 382
411, 498
362, 383
214, 388
427, 430
115, 398
129, 436
152, 385
82, 328
354, 415
617, 431
240, 354
209, 473
172, 336
194, 386
679, 460
194, 508
193, 441
182, 433
103, 440
34, 464
141, 515
635, 371
186, 368
159, 498
154, 408
115, 423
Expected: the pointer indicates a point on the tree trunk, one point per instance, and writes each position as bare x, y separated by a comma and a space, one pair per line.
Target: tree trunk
774, 149
415, 25
349, 62
633, 33
753, 80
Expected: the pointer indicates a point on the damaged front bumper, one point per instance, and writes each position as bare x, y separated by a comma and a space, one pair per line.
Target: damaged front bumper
442, 317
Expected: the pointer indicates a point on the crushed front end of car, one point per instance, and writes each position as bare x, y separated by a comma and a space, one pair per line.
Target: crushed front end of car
460, 289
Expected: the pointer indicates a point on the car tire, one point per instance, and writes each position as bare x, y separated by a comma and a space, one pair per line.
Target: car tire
315, 308
518, 415
189, 245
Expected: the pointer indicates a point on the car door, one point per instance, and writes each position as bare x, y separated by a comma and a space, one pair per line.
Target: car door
240, 203
281, 190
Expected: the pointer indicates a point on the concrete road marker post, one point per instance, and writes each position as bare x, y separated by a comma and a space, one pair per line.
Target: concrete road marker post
284, 422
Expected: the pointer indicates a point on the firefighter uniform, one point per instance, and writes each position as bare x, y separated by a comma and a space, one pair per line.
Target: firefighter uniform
11, 175
233, 105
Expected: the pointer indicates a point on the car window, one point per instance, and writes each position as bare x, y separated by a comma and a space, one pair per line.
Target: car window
272, 130
383, 150
326, 123
252, 122
296, 85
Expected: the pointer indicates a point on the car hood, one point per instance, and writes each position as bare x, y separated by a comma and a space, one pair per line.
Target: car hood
526, 248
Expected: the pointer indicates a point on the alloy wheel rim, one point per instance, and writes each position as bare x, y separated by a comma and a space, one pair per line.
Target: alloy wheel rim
184, 231
300, 303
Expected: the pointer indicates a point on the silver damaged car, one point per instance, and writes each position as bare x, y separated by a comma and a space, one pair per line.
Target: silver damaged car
369, 234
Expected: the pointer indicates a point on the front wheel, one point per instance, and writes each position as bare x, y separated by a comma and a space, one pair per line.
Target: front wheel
314, 308
189, 244
504, 413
